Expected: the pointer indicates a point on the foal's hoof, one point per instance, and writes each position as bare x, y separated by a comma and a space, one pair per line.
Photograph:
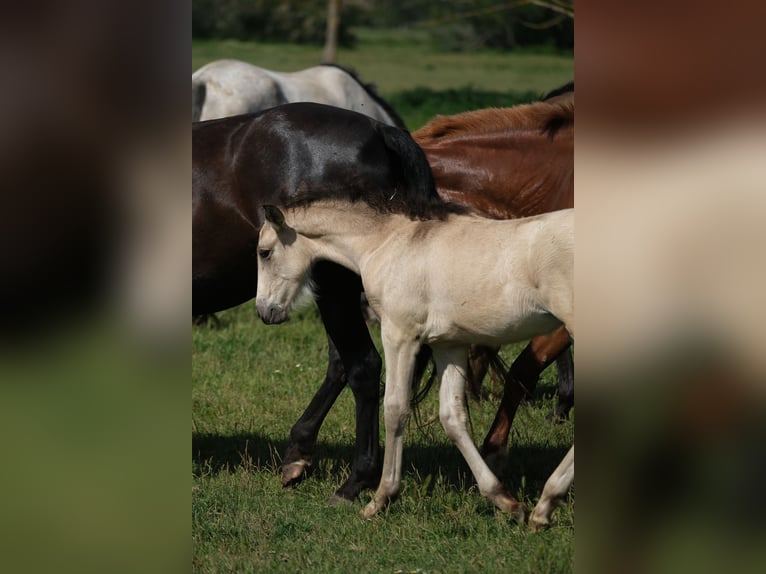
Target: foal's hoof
372, 509
516, 509
538, 524
294, 472
519, 513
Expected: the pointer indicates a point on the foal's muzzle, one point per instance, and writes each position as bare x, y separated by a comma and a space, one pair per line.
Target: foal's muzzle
271, 314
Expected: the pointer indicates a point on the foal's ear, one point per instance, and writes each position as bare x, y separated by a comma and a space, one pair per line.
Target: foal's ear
274, 216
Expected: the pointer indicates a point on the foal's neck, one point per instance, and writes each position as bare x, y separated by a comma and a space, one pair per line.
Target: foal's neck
344, 235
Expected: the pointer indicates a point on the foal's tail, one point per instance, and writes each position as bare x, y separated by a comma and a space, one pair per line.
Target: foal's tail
199, 92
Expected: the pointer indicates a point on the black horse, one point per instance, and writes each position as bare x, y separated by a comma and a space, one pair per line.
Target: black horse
276, 156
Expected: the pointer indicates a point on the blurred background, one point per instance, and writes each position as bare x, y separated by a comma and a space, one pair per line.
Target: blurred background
425, 57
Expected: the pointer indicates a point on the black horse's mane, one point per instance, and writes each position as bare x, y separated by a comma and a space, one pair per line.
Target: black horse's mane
373, 92
414, 207
412, 194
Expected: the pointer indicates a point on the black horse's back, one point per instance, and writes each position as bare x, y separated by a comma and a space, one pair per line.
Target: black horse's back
289, 154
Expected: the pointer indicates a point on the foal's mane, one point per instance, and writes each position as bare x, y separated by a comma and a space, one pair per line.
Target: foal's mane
372, 91
388, 202
543, 117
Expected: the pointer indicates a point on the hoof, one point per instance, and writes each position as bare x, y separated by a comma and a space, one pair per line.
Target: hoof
519, 514
538, 524
516, 509
294, 472
372, 509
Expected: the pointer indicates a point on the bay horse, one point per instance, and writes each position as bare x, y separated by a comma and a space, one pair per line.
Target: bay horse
228, 87
412, 271
508, 163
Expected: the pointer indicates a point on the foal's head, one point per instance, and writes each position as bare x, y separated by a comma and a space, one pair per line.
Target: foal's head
283, 267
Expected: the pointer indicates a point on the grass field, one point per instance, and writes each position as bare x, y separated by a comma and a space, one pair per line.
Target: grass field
250, 383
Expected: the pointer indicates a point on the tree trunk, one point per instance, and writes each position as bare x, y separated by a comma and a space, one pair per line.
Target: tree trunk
330, 54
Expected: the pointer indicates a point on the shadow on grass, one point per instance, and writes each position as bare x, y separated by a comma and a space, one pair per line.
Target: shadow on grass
214, 454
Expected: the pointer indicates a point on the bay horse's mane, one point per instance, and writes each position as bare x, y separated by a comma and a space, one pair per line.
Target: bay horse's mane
372, 90
543, 117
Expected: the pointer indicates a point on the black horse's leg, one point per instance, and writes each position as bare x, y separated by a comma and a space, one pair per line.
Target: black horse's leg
565, 400
303, 436
353, 360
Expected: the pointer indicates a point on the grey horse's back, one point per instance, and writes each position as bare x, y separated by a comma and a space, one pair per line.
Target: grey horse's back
231, 87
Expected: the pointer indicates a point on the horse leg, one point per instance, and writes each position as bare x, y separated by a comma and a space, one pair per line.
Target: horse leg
451, 366
400, 355
554, 491
353, 359
521, 381
479, 360
565, 400
303, 436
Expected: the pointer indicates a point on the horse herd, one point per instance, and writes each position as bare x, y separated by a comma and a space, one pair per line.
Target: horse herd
356, 204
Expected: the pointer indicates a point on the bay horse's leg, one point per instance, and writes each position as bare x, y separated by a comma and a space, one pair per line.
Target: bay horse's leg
520, 382
451, 366
479, 359
400, 355
554, 491
338, 297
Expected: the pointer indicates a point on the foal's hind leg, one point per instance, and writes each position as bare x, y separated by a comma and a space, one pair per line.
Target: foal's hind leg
353, 360
556, 488
451, 365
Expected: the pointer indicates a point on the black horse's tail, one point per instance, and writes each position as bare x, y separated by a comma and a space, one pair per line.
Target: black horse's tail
199, 92
416, 188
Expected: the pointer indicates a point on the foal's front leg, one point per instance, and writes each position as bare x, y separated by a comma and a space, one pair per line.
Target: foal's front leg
554, 492
400, 363
451, 366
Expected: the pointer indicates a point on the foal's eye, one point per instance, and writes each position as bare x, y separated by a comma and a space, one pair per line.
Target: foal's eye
264, 254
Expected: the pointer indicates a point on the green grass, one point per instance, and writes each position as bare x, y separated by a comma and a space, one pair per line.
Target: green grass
251, 382
402, 62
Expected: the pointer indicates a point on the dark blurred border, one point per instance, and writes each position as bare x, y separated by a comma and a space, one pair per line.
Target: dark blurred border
95, 261
670, 197
95, 257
